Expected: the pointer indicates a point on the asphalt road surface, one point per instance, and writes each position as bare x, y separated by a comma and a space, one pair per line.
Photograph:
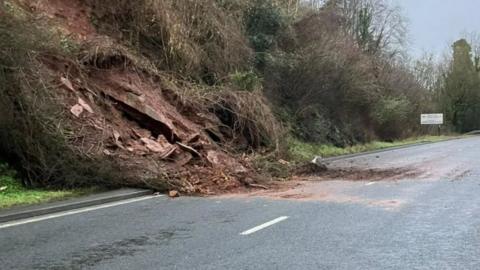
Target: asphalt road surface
426, 219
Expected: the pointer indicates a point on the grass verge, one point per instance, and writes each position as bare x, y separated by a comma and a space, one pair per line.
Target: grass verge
301, 151
13, 193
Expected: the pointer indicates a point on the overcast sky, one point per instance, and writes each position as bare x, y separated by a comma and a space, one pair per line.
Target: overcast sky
434, 24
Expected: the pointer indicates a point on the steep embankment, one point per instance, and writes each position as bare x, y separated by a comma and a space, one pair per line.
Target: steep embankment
119, 118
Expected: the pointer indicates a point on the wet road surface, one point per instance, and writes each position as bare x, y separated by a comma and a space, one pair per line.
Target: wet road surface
426, 220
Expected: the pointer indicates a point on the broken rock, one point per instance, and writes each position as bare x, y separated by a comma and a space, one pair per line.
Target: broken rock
183, 158
81, 106
152, 145
320, 163
223, 161
163, 147
116, 136
173, 194
77, 110
283, 162
85, 105
67, 83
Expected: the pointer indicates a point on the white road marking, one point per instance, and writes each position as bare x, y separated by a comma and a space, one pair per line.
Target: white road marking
73, 212
371, 183
264, 225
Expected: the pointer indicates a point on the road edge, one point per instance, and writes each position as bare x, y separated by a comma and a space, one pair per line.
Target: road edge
24, 212
342, 157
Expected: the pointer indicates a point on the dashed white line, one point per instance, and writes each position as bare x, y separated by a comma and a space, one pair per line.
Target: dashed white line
264, 225
73, 212
371, 183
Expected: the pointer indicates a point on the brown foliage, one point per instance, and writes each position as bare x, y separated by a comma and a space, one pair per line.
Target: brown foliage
336, 92
193, 38
248, 117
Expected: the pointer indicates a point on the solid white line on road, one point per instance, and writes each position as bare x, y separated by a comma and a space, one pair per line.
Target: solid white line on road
264, 225
371, 183
73, 212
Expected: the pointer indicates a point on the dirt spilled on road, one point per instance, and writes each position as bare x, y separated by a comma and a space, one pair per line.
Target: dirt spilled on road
312, 172
338, 192
343, 186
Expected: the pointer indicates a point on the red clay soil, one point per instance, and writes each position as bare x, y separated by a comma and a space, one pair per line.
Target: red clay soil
71, 15
124, 116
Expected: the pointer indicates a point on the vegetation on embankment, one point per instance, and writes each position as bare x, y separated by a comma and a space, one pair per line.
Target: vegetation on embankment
14, 193
177, 93
301, 151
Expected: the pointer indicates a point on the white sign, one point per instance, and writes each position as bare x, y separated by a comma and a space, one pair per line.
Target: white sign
432, 119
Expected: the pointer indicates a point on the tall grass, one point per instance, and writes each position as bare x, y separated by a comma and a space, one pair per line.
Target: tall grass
198, 39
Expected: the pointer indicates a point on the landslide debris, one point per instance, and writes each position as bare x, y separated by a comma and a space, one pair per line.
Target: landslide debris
109, 114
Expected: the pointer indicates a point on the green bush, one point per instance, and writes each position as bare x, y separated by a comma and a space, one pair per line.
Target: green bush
247, 81
264, 24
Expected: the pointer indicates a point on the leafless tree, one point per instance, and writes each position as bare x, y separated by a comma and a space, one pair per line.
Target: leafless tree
427, 72
384, 24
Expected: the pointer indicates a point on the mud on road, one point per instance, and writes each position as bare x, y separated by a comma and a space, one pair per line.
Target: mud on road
333, 185
357, 174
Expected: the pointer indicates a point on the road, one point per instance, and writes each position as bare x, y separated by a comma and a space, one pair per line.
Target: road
429, 220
